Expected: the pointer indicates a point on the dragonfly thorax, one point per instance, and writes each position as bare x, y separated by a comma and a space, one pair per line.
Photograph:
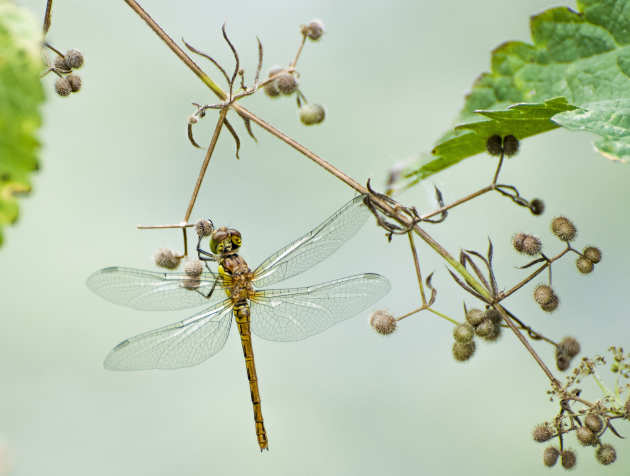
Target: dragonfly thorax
238, 277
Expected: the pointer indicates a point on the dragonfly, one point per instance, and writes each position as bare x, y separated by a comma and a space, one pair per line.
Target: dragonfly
235, 292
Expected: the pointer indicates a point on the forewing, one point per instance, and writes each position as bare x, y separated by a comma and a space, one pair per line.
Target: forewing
315, 246
295, 314
183, 344
155, 291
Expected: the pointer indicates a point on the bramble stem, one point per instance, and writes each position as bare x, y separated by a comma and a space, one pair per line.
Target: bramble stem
206, 161
443, 316
496, 173
48, 16
459, 202
417, 266
299, 51
156, 227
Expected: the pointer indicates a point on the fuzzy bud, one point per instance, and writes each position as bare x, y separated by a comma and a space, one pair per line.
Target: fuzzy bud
474, 316
286, 83
563, 360
75, 82
312, 114
74, 58
510, 145
62, 87
568, 459
551, 305
492, 314
383, 322
485, 328
193, 267
531, 245
563, 228
606, 454
60, 64
550, 456
585, 436
542, 433
463, 332
543, 294
463, 350
493, 145
204, 228
584, 265
570, 345
537, 206
271, 90
594, 423
314, 30
592, 254
166, 258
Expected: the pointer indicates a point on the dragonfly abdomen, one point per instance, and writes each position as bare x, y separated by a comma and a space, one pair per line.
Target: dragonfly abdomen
241, 316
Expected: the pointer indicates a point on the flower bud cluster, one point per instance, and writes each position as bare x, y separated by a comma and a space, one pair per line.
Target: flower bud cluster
68, 82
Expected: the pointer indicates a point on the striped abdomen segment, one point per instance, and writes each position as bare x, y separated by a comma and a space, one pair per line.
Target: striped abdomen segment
241, 315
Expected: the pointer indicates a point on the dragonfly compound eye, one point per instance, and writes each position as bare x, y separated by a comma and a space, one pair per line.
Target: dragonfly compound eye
217, 238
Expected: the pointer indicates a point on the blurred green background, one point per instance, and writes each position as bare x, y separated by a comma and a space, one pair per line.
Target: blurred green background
392, 75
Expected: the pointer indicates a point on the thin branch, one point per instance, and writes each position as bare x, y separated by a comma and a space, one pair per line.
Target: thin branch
234, 135
458, 202
299, 51
48, 16
161, 227
209, 58
417, 266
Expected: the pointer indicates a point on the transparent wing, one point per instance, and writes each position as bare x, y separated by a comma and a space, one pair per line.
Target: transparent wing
155, 291
183, 344
313, 247
295, 314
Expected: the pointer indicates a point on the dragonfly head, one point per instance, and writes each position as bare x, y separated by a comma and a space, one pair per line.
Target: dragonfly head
225, 240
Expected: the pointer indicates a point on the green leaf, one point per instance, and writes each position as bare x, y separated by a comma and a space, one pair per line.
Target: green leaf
21, 95
583, 57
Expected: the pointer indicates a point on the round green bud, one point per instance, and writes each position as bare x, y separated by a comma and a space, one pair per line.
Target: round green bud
550, 456
584, 265
592, 254
542, 433
537, 206
568, 459
474, 316
510, 145
543, 294
594, 423
463, 350
585, 436
311, 114
463, 332
62, 87
563, 361
563, 228
606, 454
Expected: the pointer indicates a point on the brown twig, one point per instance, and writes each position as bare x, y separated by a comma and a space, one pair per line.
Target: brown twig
47, 16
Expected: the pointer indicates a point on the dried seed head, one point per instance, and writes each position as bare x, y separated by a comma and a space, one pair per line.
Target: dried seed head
550, 456
62, 86
493, 145
191, 283
286, 83
563, 228
510, 145
312, 114
543, 294
585, 436
568, 459
463, 332
570, 345
75, 82
531, 245
551, 305
492, 314
563, 361
517, 241
166, 258
204, 228
474, 316
584, 265
606, 454
592, 254
314, 30
485, 328
74, 59
542, 433
594, 422
275, 70
271, 90
60, 64
463, 350
193, 267
537, 206
383, 322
